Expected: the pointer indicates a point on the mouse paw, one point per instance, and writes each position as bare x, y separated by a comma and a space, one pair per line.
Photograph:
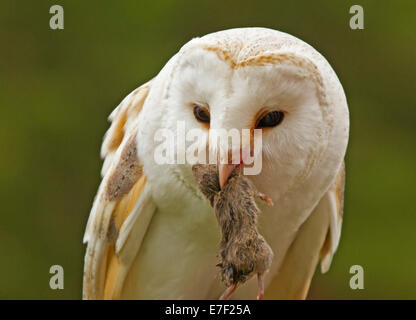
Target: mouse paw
266, 199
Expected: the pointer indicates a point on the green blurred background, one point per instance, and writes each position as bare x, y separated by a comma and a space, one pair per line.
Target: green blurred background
58, 87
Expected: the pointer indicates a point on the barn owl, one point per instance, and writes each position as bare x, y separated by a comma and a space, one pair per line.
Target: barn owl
152, 235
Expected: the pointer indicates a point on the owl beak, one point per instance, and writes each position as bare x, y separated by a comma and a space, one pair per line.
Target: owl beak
224, 171
226, 166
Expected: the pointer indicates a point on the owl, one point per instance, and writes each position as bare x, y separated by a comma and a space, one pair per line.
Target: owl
152, 235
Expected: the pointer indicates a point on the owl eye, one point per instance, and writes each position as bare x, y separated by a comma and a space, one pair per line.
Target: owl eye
271, 119
201, 114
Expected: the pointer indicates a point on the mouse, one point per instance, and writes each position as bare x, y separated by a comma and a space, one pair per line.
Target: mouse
243, 250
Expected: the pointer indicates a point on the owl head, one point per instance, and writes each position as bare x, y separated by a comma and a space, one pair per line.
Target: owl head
258, 80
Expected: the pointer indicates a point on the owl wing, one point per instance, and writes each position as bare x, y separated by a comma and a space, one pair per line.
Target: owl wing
335, 204
317, 238
122, 206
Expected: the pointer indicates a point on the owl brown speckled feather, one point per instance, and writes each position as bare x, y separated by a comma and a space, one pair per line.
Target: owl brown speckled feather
243, 252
